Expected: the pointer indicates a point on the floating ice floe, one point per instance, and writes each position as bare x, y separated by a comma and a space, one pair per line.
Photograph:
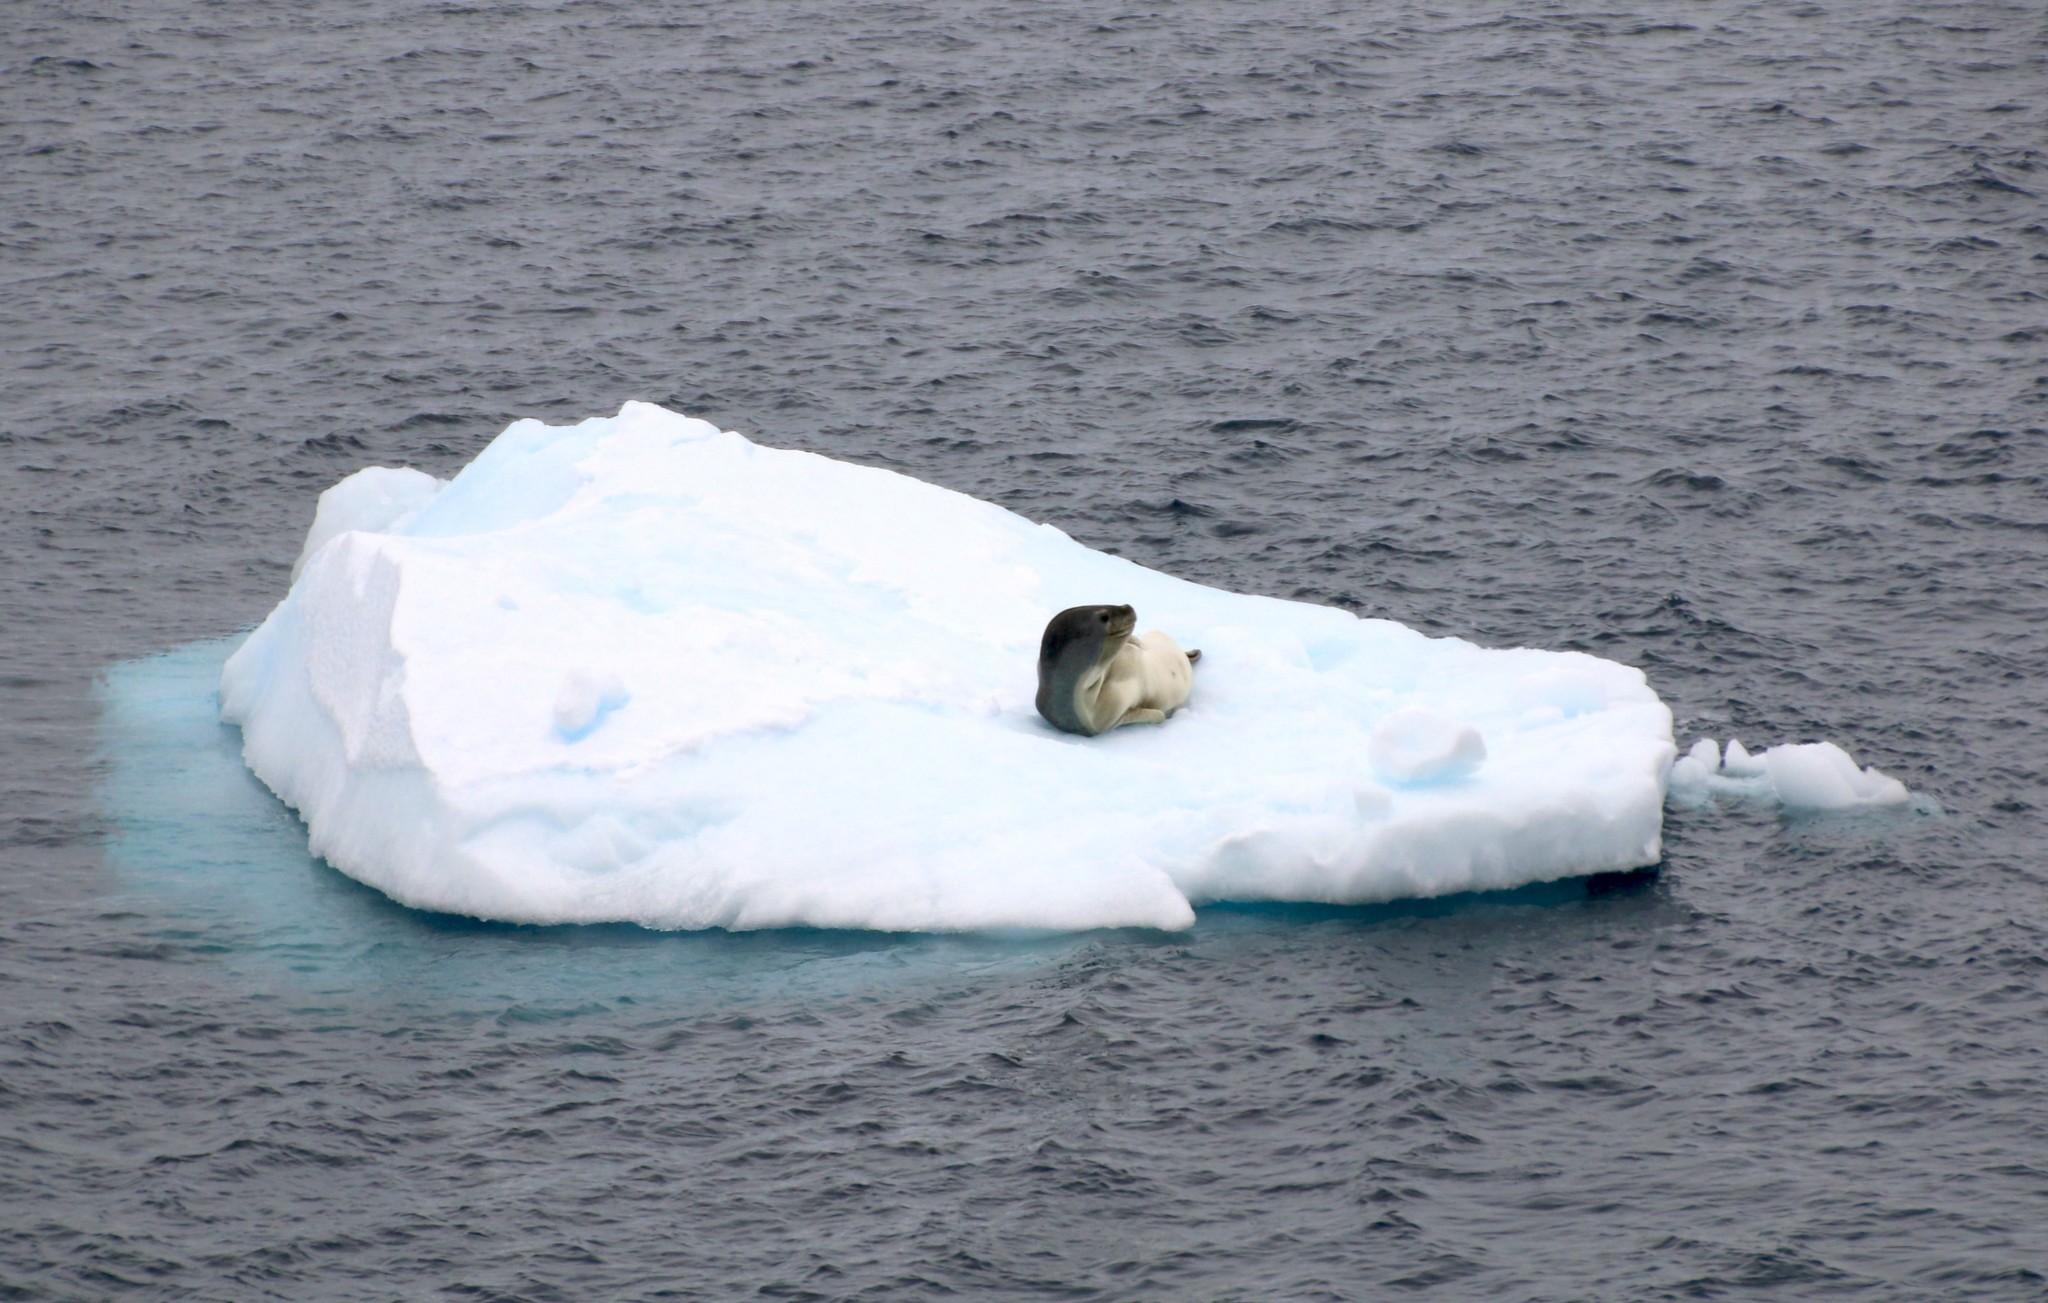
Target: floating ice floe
1800, 776
640, 669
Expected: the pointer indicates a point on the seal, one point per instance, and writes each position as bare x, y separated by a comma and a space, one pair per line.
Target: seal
1093, 675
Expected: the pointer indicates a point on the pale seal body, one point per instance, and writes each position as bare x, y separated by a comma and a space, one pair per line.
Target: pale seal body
1093, 675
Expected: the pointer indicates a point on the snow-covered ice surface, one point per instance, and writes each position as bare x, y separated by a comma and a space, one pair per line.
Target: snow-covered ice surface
639, 669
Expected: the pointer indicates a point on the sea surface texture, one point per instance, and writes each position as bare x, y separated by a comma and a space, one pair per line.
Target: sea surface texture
1710, 338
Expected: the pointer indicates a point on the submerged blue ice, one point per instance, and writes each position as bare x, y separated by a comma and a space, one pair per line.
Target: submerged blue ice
226, 870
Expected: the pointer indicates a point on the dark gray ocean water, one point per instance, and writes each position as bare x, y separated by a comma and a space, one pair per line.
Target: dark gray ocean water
1709, 337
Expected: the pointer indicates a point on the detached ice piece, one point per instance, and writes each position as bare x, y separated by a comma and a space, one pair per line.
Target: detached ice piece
1822, 776
831, 723
1696, 768
1740, 763
1418, 745
1813, 776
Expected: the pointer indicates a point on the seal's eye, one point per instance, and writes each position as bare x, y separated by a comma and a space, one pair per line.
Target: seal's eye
1102, 616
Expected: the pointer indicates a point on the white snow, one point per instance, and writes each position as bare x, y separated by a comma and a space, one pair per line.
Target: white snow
639, 669
1800, 776
379, 500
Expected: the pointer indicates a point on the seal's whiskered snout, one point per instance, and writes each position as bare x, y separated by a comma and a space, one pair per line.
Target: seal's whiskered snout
1093, 675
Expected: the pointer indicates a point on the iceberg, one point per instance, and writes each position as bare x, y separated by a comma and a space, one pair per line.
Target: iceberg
640, 669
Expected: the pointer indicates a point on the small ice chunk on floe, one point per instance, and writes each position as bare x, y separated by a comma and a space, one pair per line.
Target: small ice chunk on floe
587, 696
1799, 776
831, 721
1418, 745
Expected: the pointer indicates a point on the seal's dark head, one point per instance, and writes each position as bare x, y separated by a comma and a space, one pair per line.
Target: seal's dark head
1076, 641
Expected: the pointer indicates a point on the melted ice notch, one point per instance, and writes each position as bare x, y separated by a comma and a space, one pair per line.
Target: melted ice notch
641, 669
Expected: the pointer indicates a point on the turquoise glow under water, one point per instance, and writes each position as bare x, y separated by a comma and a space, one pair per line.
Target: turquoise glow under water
192, 827
227, 862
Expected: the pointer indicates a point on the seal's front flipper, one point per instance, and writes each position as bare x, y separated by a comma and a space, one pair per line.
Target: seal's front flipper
1143, 715
1194, 655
